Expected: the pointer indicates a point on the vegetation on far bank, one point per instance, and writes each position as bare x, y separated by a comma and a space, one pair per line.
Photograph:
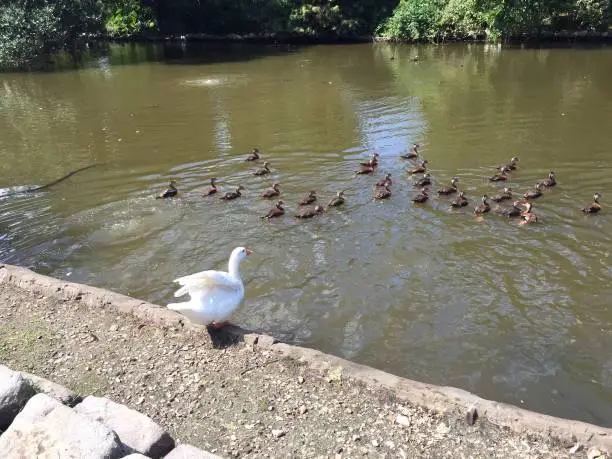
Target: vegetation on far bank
32, 30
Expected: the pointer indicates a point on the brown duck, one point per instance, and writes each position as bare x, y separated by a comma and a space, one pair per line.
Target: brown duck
310, 212
424, 181
382, 192
373, 161
271, 192
422, 168
483, 207
446, 190
533, 194
254, 155
169, 192
264, 170
369, 169
309, 199
594, 207
421, 197
338, 200
507, 194
459, 201
502, 176
413, 153
550, 180
213, 187
385, 181
527, 216
511, 166
275, 211
233, 194
513, 211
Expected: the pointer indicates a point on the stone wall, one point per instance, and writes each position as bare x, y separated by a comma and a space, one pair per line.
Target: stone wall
39, 418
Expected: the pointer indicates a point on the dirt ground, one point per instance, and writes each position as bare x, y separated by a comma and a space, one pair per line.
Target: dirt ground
236, 399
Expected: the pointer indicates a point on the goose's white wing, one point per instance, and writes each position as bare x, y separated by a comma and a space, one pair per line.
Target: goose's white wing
206, 281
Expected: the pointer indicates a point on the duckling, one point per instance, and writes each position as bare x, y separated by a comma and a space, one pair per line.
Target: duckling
233, 194
309, 199
424, 181
446, 190
373, 161
533, 194
271, 192
310, 212
169, 192
421, 197
422, 168
368, 169
413, 153
213, 187
459, 201
550, 181
337, 201
382, 192
507, 194
254, 155
275, 211
594, 207
483, 207
513, 211
385, 181
502, 176
264, 170
527, 216
511, 166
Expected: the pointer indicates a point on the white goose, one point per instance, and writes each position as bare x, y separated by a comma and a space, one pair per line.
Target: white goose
214, 294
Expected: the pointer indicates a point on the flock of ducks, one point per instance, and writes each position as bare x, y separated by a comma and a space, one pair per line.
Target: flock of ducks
521, 208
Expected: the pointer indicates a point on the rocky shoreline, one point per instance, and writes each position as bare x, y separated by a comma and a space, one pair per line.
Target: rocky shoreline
240, 394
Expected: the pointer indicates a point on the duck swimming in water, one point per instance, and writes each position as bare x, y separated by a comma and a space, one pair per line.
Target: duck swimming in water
511, 166
264, 170
527, 216
309, 199
413, 153
483, 207
368, 169
533, 194
421, 197
514, 211
507, 194
424, 181
337, 201
382, 193
169, 192
550, 180
421, 169
459, 201
385, 181
310, 212
233, 194
373, 161
446, 190
275, 211
272, 192
254, 155
594, 207
213, 187
502, 176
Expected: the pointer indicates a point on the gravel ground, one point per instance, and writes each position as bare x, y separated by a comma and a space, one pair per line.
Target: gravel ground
234, 399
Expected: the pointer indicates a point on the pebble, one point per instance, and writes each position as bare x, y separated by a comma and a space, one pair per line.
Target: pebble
300, 380
402, 420
278, 433
114, 327
375, 443
595, 453
574, 449
303, 409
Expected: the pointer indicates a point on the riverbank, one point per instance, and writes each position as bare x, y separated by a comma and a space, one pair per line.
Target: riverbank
239, 394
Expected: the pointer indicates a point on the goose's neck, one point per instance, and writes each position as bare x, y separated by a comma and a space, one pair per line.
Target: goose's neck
233, 268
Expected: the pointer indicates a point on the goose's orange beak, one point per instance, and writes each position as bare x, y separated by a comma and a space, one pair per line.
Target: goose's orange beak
248, 251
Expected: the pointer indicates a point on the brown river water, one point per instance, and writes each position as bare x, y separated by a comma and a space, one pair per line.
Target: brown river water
515, 313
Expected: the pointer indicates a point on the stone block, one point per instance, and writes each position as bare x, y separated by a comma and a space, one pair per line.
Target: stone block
60, 393
135, 430
15, 391
190, 452
35, 410
61, 433
136, 456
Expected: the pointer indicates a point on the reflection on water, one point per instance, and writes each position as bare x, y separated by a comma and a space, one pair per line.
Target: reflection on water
514, 313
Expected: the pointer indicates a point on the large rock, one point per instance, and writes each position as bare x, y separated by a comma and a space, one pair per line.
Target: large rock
135, 430
42, 385
190, 452
35, 410
60, 433
15, 391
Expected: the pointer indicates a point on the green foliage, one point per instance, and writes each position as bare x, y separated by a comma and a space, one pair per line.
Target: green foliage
414, 20
127, 17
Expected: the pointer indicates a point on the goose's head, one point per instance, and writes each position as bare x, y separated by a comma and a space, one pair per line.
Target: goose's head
213, 181
514, 160
538, 186
240, 253
454, 181
551, 174
484, 198
507, 190
275, 187
266, 165
596, 197
340, 193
